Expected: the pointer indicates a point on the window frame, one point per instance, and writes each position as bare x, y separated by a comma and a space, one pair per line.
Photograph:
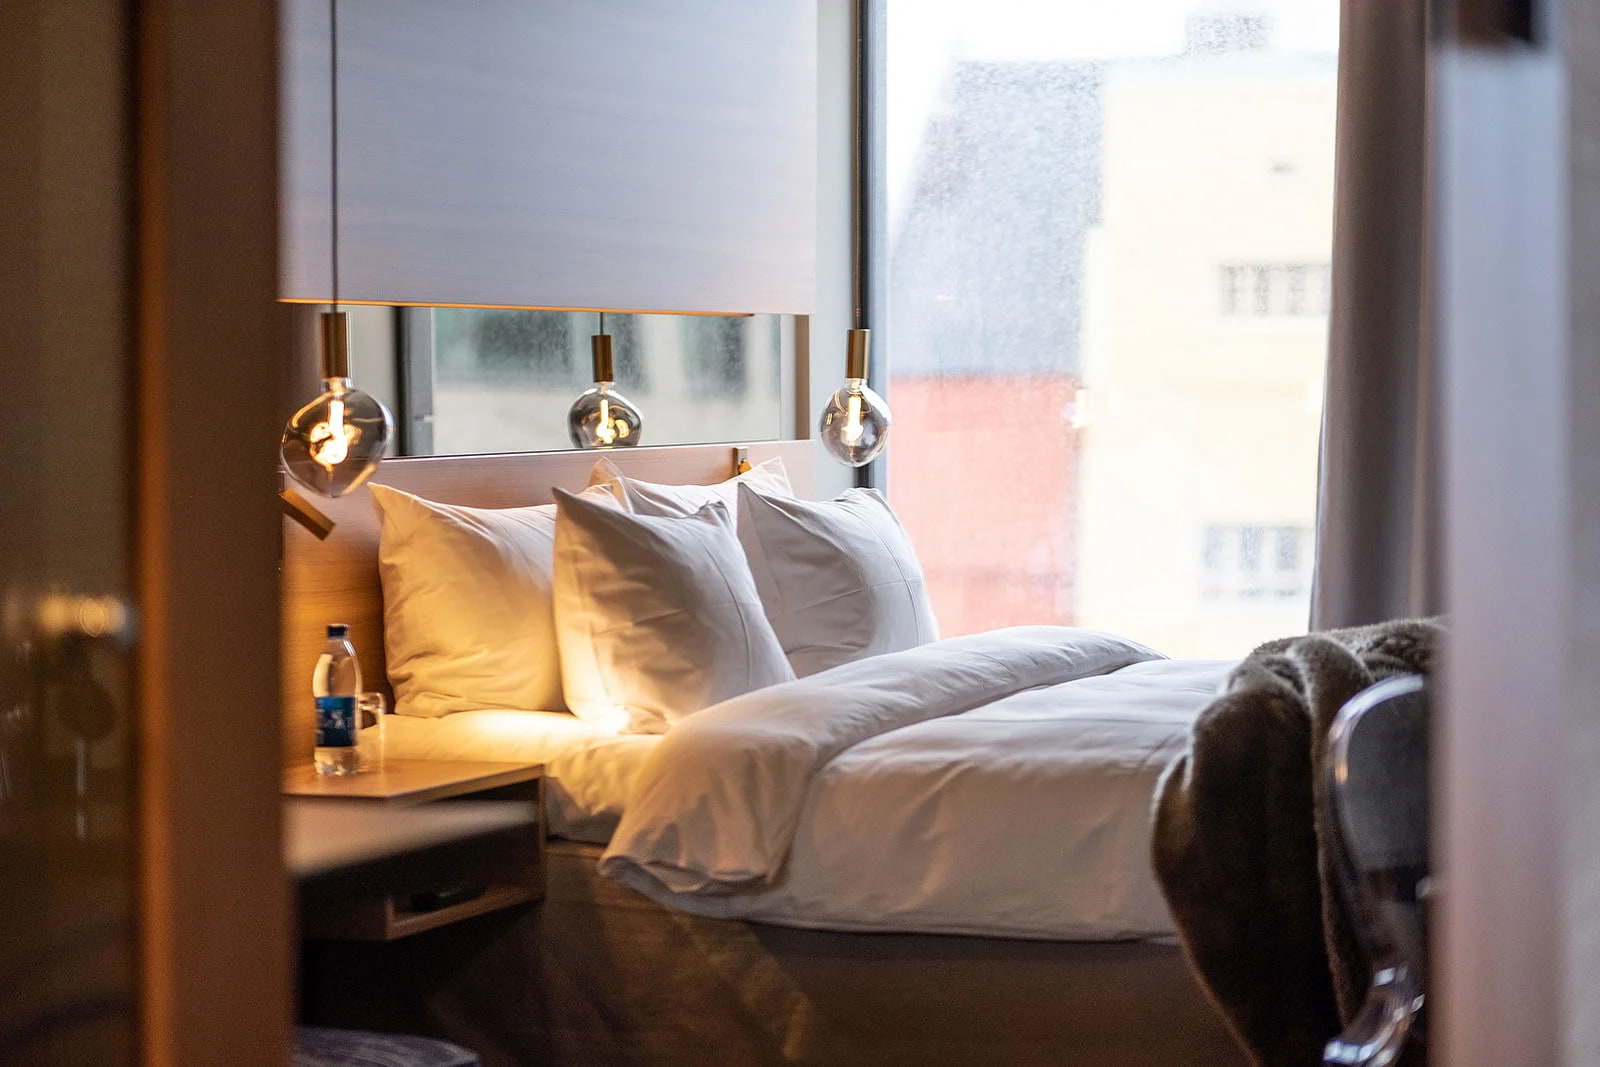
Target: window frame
414, 402
869, 269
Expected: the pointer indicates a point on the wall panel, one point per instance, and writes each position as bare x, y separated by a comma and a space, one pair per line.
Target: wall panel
655, 155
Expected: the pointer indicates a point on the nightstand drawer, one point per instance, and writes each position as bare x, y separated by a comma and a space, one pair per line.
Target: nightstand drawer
410, 890
426, 889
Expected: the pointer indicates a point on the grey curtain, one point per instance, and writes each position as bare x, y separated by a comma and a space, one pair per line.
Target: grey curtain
1378, 485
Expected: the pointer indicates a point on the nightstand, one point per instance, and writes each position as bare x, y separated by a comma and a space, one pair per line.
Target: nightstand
413, 847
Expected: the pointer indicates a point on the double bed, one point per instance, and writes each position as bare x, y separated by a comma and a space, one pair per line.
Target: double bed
934, 855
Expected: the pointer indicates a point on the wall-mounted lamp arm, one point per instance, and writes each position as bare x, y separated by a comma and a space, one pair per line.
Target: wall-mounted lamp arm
302, 511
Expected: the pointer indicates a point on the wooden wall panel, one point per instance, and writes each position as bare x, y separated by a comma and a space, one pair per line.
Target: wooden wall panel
655, 155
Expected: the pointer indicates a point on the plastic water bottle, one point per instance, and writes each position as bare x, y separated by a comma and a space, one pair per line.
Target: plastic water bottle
335, 684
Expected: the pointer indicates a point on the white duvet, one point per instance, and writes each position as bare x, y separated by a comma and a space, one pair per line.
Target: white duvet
996, 784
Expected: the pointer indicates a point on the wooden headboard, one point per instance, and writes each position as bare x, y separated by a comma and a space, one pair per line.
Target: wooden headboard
336, 580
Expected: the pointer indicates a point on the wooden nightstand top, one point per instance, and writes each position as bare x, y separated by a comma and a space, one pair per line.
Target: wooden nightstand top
404, 782
320, 836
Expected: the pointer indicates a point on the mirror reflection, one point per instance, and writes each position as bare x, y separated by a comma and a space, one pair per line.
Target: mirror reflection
464, 381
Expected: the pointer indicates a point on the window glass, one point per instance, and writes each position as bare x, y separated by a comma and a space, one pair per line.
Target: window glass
1106, 240
1243, 563
501, 381
1276, 289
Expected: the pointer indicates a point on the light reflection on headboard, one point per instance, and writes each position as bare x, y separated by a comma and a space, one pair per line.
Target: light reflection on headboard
336, 580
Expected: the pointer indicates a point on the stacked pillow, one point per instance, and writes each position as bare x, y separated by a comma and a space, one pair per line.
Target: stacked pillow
838, 579
635, 604
650, 498
468, 604
657, 616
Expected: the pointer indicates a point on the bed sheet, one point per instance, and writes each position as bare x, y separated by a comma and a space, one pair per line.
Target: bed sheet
589, 771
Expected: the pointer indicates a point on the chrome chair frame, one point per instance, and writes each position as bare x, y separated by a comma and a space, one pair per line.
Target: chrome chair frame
1389, 900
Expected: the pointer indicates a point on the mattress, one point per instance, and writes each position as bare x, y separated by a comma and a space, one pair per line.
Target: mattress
589, 771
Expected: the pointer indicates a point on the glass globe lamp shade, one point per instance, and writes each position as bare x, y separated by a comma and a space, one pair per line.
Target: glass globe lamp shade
854, 426
601, 417
335, 443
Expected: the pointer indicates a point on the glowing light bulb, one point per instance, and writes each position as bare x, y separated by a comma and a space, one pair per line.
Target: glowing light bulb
331, 440
852, 421
335, 443
601, 417
854, 425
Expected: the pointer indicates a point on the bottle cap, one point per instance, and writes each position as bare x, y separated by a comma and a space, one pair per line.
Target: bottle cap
338, 629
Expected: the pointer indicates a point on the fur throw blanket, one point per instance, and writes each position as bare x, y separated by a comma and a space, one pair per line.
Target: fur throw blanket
1239, 841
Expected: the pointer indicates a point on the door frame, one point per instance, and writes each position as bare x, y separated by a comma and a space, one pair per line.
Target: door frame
215, 933
1518, 249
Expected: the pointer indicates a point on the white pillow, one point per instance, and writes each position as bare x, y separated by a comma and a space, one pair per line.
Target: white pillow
468, 614
838, 579
657, 616
652, 498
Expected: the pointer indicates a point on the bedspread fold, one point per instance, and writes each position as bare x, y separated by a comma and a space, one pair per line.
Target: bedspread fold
716, 808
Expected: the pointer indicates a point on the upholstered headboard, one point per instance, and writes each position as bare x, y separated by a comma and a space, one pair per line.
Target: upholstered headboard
336, 580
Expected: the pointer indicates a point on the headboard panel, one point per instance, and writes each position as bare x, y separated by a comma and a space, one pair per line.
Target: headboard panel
336, 580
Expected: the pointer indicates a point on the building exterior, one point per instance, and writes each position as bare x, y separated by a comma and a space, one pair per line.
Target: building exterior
1204, 346
1108, 322
985, 324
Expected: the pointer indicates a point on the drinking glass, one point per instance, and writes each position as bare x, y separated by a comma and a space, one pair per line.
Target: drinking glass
371, 710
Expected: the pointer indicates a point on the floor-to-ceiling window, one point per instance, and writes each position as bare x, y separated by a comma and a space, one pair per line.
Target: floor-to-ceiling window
1103, 240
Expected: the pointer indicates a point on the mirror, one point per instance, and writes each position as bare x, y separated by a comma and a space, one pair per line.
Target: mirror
463, 381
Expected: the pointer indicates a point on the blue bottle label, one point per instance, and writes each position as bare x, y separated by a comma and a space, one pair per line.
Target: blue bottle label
336, 722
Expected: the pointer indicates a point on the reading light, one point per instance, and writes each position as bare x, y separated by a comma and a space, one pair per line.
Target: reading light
305, 513
855, 423
601, 417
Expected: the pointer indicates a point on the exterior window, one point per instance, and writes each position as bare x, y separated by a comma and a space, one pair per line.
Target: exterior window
1072, 197
1255, 563
1276, 290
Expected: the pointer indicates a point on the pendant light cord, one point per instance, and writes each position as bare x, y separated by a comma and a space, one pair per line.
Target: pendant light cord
333, 143
861, 194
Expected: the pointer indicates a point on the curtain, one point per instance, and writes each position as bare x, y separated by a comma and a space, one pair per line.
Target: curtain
1377, 497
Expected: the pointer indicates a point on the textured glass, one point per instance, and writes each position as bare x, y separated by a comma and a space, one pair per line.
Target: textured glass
854, 426
1106, 247
601, 417
335, 443
504, 381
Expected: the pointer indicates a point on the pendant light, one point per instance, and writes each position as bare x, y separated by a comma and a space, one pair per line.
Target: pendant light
601, 417
335, 443
854, 426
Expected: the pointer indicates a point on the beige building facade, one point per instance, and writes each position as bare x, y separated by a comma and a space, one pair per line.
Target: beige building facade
1205, 335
